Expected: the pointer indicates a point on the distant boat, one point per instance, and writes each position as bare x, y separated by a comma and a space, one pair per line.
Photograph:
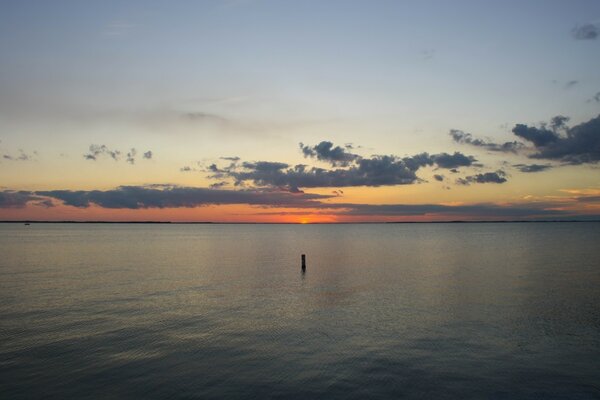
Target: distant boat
27, 223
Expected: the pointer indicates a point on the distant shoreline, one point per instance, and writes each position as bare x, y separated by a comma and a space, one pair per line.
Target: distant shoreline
293, 223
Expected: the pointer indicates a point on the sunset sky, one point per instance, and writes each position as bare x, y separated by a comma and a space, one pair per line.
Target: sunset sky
299, 111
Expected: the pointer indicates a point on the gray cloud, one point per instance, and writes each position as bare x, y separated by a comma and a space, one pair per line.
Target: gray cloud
576, 145
439, 178
487, 177
450, 161
141, 197
466, 138
325, 151
97, 151
376, 171
171, 196
586, 32
571, 84
167, 196
379, 170
532, 167
16, 199
131, 156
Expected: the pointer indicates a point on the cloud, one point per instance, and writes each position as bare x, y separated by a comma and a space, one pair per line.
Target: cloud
354, 170
466, 138
540, 137
376, 171
439, 178
532, 167
571, 84
450, 161
97, 151
204, 117
22, 156
487, 177
171, 196
325, 151
16, 199
579, 144
141, 197
586, 32
131, 156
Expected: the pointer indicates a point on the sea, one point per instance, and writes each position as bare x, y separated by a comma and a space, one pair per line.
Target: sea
225, 311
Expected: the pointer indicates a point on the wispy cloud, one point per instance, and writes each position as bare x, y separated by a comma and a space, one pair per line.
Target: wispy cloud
97, 151
21, 156
466, 138
528, 168
586, 32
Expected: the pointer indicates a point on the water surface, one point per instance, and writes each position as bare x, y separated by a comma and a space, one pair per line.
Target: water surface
223, 311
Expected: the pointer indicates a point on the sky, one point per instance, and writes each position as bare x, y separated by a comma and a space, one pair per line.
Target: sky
299, 111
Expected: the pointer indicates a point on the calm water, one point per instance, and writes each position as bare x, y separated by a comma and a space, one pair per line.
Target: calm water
223, 311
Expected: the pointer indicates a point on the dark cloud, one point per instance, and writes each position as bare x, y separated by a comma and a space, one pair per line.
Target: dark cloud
170, 196
466, 138
586, 32
438, 177
487, 177
217, 185
140, 197
148, 155
325, 151
538, 136
576, 145
449, 161
597, 97
559, 123
532, 167
376, 171
186, 168
232, 159
16, 199
379, 170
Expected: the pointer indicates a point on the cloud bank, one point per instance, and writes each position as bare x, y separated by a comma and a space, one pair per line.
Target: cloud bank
169, 196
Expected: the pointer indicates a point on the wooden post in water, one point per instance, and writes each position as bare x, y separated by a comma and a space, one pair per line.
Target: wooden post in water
303, 262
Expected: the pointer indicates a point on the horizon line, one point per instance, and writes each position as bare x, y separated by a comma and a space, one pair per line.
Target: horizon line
295, 223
